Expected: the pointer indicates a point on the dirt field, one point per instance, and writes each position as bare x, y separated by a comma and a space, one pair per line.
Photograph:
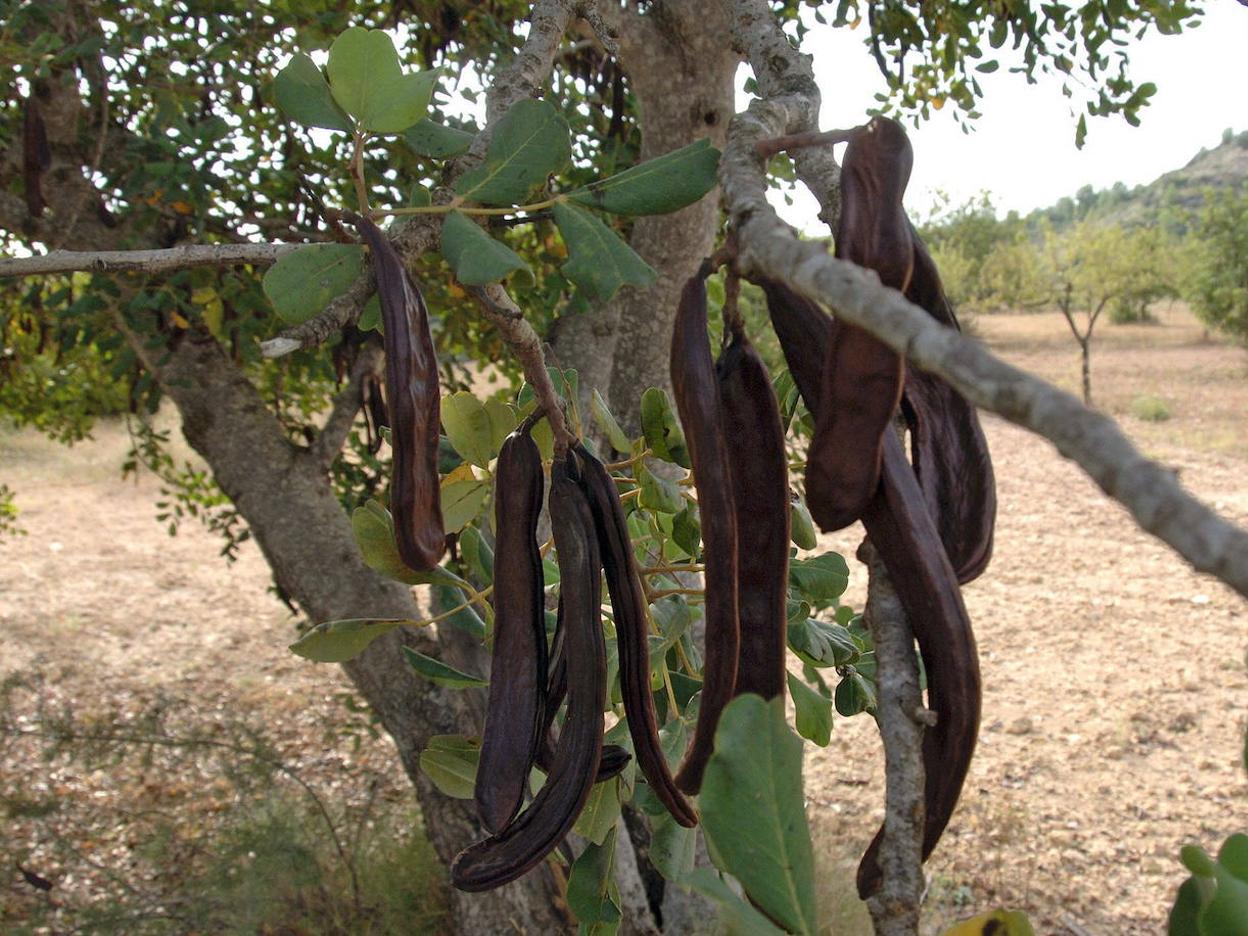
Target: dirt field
1115, 677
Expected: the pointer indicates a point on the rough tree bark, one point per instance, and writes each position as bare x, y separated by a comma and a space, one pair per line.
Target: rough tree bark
680, 68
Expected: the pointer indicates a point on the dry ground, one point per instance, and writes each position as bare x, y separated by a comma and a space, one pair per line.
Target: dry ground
1115, 677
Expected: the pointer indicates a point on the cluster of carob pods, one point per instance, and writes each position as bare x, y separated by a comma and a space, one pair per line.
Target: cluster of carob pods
930, 519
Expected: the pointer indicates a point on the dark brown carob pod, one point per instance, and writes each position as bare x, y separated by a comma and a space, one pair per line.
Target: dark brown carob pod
948, 448
760, 492
862, 376
628, 604
515, 718
413, 400
523, 843
697, 400
902, 532
901, 528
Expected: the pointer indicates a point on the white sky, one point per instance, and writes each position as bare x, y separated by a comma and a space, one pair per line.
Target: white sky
1023, 149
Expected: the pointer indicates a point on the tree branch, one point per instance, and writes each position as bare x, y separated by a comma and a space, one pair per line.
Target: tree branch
895, 909
144, 261
768, 246
346, 405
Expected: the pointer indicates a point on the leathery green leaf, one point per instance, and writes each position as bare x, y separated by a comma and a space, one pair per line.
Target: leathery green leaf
599, 262
339, 641
656, 186
477, 258
301, 283
438, 672
450, 761
303, 95
368, 82
753, 814
527, 144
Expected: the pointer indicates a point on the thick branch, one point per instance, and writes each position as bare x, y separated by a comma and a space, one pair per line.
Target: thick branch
346, 405
895, 909
770, 247
144, 261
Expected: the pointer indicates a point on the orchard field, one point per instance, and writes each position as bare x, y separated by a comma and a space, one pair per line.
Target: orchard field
192, 753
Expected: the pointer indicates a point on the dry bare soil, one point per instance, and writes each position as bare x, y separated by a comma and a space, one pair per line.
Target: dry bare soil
1115, 679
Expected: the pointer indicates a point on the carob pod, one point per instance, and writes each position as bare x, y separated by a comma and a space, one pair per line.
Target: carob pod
628, 603
903, 531
413, 401
947, 444
614, 757
760, 492
862, 375
697, 400
904, 535
528, 839
515, 717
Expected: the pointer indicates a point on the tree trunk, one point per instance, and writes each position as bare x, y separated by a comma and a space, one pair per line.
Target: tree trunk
680, 68
1085, 351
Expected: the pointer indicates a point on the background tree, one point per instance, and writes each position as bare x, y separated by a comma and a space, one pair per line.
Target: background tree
1217, 283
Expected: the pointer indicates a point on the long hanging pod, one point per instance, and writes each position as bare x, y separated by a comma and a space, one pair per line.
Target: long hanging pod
947, 444
754, 438
862, 376
515, 718
629, 606
902, 532
527, 840
697, 400
414, 401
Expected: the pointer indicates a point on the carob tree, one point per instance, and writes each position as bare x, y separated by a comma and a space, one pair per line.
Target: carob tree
930, 520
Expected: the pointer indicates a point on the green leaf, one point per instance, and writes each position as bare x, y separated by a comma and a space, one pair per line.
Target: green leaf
1081, 131
303, 95
429, 138
477, 258
599, 262
821, 643
527, 144
1233, 855
802, 527
370, 315
658, 493
589, 884
656, 186
672, 846
740, 917
1225, 914
462, 502
467, 424
607, 423
339, 641
814, 712
687, 530
374, 534
601, 812
438, 672
465, 619
1196, 860
1185, 914
301, 283
854, 695
752, 811
661, 428
450, 761
368, 82
820, 579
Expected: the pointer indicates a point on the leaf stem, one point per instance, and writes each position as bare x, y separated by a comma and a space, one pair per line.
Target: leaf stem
616, 466
457, 205
357, 172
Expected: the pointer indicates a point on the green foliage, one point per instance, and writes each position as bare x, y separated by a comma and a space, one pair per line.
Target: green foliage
1150, 408
367, 81
302, 282
932, 53
1214, 900
599, 261
477, 258
339, 641
753, 811
1217, 286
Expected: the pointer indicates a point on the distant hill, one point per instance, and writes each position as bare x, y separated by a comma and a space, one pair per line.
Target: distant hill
1223, 168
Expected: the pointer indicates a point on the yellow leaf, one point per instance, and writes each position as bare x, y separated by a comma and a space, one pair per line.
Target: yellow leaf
456, 291
938, 102
181, 207
461, 472
179, 320
994, 923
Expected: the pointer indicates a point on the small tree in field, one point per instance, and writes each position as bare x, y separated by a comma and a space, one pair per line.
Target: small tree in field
1092, 265
1217, 284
